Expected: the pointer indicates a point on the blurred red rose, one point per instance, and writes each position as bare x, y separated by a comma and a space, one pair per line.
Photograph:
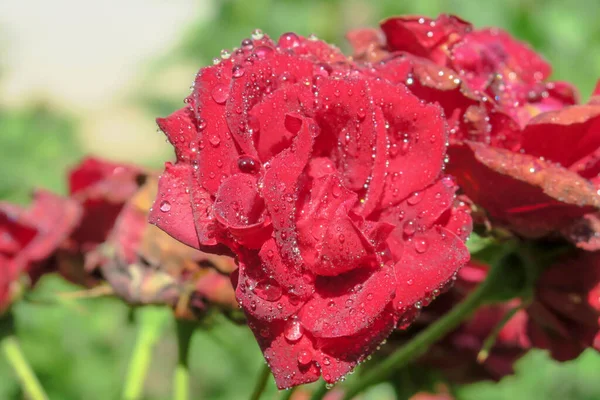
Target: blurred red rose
29, 236
326, 183
143, 265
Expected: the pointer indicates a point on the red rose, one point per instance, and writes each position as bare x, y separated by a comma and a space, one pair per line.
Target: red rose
326, 183
28, 237
513, 132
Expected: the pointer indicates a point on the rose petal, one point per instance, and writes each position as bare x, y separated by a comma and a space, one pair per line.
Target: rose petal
564, 136
290, 277
427, 264
328, 238
417, 138
260, 295
345, 307
271, 72
423, 36
217, 153
281, 188
181, 130
172, 209
291, 361
544, 197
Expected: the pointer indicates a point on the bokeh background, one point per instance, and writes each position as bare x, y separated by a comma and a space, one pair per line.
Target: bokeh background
80, 77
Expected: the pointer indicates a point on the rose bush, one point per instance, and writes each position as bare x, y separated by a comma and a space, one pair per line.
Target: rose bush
327, 185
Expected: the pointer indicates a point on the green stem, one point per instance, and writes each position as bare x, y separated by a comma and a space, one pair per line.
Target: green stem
151, 322
181, 386
320, 392
421, 342
29, 382
493, 336
261, 383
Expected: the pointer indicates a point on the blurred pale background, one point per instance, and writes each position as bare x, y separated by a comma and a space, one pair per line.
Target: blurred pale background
80, 77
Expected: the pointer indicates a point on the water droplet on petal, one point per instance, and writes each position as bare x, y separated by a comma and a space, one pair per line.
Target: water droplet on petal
448, 182
263, 52
215, 140
268, 291
336, 191
165, 206
304, 357
247, 44
238, 71
220, 93
410, 227
415, 198
293, 331
288, 40
257, 34
225, 54
248, 164
421, 245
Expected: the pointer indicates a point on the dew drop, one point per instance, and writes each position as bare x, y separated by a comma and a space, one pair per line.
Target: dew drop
263, 52
421, 245
336, 191
268, 291
165, 206
293, 331
410, 227
238, 71
415, 198
288, 40
247, 44
215, 140
225, 54
220, 93
361, 113
248, 164
304, 357
257, 34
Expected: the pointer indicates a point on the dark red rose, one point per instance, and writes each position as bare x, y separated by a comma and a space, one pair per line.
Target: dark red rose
326, 183
547, 175
489, 61
29, 236
512, 131
563, 316
102, 188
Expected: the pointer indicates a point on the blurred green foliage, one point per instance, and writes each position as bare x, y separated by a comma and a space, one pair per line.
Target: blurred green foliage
38, 145
80, 349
